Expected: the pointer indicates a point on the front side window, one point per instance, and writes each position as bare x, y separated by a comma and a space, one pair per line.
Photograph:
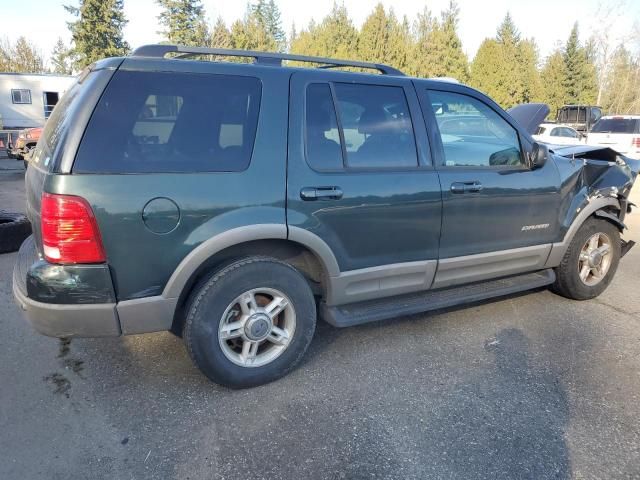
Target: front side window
171, 122
557, 132
473, 134
21, 95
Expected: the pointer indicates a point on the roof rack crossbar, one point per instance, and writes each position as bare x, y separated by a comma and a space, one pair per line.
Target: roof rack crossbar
264, 58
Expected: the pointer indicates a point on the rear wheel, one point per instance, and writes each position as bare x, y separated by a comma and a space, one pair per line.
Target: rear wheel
250, 323
590, 262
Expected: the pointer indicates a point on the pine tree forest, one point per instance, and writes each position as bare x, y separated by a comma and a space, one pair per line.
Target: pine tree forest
508, 67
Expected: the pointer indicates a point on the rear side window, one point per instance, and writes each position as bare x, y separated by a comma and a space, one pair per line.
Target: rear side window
616, 125
372, 127
322, 137
151, 122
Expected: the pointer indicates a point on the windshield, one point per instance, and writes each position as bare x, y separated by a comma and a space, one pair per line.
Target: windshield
616, 125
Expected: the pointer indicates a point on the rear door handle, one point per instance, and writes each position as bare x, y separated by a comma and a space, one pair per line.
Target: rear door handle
321, 193
466, 187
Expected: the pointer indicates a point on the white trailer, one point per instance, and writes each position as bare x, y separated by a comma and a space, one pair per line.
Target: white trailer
27, 99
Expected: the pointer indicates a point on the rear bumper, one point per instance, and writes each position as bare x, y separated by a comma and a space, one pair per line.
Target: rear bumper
74, 319
65, 320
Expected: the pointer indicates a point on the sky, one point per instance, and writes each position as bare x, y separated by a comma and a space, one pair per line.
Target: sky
548, 21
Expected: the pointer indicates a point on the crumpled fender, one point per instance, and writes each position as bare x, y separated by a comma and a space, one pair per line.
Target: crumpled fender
611, 218
594, 181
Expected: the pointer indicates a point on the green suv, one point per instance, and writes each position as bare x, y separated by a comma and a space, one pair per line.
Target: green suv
233, 203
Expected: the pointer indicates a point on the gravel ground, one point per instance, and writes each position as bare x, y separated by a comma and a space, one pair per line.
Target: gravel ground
531, 386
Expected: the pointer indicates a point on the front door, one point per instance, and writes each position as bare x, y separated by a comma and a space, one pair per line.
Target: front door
361, 182
499, 216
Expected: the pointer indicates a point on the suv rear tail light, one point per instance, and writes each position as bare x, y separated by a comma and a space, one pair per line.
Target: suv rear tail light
635, 142
70, 232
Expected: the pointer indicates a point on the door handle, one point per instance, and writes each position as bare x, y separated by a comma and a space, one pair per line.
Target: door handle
321, 193
466, 187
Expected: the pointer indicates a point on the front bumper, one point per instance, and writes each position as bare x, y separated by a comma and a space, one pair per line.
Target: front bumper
74, 319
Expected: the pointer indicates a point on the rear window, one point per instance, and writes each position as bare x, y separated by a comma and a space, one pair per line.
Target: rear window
573, 115
616, 125
152, 122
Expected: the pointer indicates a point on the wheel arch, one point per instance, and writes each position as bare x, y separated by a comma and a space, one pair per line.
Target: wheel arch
607, 208
311, 256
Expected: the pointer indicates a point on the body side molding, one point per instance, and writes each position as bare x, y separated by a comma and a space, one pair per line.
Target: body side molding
485, 266
380, 281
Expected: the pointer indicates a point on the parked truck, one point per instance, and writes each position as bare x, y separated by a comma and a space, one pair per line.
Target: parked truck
579, 117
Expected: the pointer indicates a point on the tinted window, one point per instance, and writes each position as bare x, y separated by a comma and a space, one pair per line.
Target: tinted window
540, 131
473, 134
376, 126
557, 132
616, 125
322, 136
171, 122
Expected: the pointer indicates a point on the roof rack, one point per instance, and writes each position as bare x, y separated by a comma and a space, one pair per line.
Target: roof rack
264, 58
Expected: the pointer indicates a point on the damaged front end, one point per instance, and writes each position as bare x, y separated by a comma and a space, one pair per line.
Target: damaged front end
596, 175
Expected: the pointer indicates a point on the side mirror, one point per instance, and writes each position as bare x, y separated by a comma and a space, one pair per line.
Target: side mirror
538, 156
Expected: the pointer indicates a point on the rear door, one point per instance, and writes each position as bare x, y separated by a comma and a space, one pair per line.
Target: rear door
499, 216
361, 181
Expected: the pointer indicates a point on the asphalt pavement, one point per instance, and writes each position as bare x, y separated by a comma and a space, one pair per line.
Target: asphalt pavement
531, 386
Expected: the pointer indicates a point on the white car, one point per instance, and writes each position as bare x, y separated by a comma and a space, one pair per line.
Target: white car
619, 132
556, 134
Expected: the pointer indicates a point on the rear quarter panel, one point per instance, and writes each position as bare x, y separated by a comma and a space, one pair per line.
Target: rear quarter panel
141, 261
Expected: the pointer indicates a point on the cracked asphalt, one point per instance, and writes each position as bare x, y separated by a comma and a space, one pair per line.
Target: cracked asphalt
530, 386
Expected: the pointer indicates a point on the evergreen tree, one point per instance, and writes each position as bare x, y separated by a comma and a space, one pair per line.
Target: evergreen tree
183, 22
97, 32
384, 39
61, 58
507, 31
334, 37
267, 14
580, 82
532, 89
486, 68
506, 68
220, 35
438, 50
553, 81
251, 33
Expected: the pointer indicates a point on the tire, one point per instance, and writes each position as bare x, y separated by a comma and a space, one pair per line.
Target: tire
211, 306
568, 281
14, 229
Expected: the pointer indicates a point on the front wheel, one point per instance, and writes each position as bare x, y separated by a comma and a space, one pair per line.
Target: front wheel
590, 262
250, 323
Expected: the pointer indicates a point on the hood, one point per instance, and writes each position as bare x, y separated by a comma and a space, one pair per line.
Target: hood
529, 115
595, 152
